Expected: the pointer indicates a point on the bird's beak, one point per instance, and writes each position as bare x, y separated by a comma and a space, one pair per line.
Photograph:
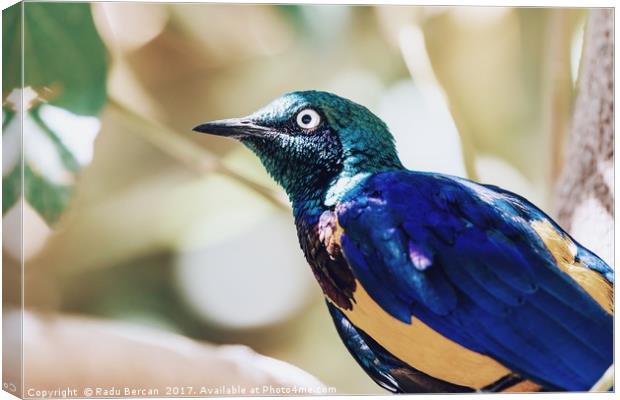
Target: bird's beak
234, 127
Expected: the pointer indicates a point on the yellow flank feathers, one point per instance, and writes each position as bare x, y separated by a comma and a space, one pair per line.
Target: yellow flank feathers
564, 250
421, 347
523, 387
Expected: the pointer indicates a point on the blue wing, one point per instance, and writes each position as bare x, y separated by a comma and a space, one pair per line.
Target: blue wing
465, 260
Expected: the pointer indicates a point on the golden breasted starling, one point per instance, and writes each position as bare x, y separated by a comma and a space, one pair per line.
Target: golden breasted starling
435, 283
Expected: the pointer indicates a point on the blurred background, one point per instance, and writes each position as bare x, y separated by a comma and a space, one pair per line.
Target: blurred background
130, 216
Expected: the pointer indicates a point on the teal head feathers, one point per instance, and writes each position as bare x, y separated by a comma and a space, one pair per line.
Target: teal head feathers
311, 142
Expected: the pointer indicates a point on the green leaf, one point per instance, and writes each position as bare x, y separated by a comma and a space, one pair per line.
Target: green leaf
7, 116
65, 64
68, 159
63, 52
11, 49
11, 189
49, 199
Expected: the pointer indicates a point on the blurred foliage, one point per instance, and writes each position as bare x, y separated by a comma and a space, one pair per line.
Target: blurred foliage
11, 78
478, 91
47, 198
65, 64
11, 49
63, 52
508, 79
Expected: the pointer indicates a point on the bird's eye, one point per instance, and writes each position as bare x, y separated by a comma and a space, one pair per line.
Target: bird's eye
308, 119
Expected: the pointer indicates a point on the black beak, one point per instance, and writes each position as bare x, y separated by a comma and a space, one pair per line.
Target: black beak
234, 127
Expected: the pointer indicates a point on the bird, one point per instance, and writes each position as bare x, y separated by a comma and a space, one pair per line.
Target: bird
435, 283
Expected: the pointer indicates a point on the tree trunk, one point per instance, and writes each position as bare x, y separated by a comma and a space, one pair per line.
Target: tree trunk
585, 195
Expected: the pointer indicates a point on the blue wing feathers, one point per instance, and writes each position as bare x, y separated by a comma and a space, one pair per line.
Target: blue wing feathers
392, 304
591, 260
595, 263
463, 258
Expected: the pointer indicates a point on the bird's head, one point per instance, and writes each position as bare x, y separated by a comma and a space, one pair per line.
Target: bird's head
308, 141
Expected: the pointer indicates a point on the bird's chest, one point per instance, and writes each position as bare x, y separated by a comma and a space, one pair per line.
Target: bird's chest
318, 236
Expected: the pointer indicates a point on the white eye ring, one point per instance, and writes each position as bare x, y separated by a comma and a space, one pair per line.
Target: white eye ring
308, 119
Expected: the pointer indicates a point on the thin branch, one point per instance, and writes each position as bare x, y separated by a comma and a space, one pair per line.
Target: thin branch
559, 90
194, 157
591, 139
